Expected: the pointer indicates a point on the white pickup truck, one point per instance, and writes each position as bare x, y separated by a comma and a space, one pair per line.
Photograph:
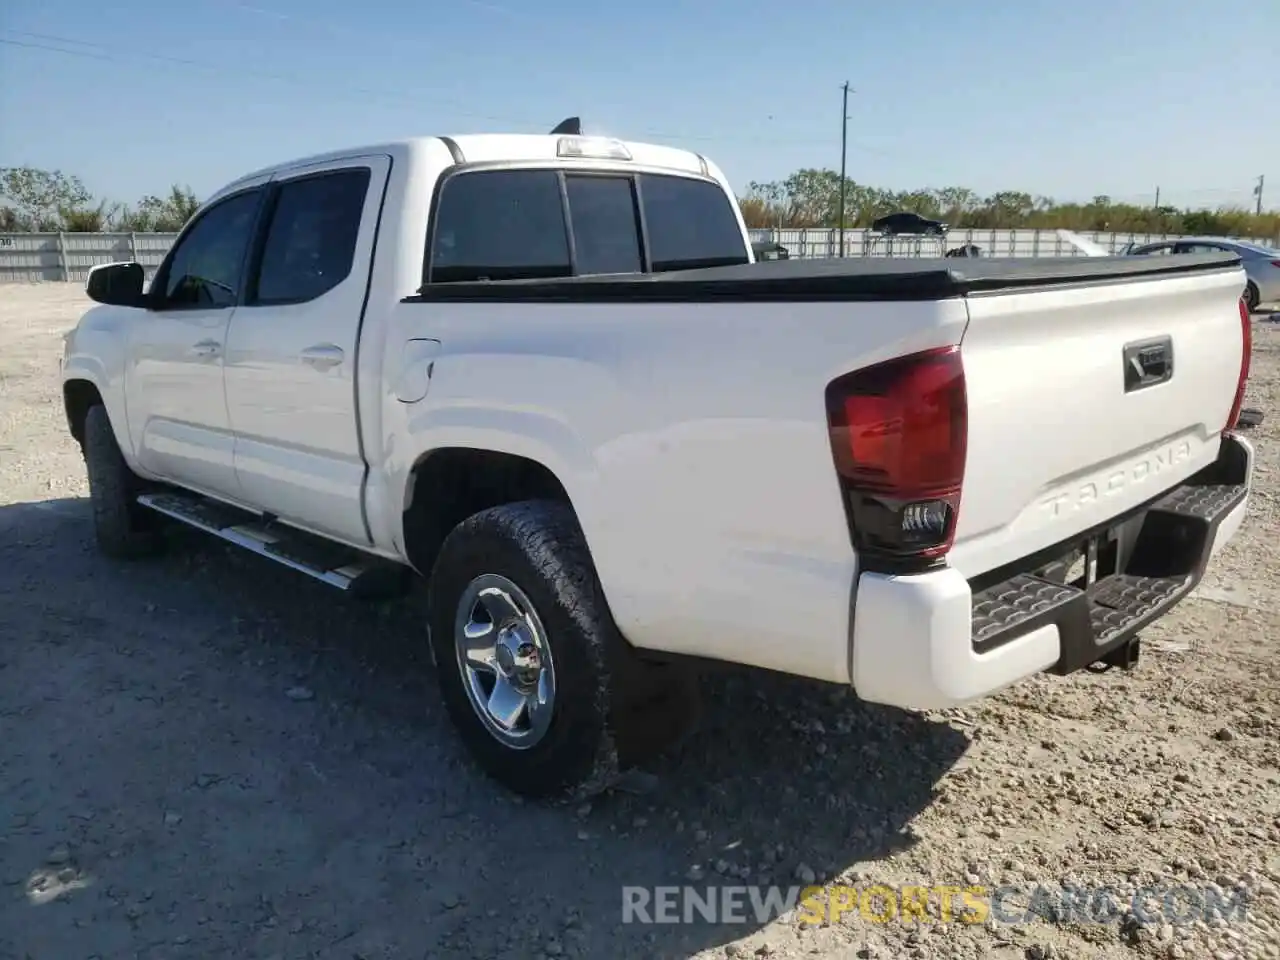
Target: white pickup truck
544, 373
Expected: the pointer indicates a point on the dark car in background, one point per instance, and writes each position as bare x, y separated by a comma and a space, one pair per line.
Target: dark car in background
768, 250
906, 223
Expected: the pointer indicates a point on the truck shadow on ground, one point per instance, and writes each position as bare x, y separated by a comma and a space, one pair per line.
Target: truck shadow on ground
325, 806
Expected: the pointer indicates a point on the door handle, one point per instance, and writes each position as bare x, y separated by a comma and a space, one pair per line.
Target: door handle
323, 356
206, 349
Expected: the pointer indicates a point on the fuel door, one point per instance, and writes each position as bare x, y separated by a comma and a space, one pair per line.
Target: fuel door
417, 363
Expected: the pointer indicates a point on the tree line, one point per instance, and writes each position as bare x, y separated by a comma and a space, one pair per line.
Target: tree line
47, 201
33, 200
811, 198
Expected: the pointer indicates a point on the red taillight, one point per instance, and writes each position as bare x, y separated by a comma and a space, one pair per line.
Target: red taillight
898, 434
1275, 263
1246, 353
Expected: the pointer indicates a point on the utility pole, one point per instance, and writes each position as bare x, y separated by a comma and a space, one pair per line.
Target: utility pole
1257, 192
1157, 198
844, 146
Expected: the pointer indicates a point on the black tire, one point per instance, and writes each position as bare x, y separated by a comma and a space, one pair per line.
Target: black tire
1252, 298
1249, 417
123, 529
539, 547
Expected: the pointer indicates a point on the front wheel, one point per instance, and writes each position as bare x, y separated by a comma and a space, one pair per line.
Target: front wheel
532, 669
123, 529
1252, 298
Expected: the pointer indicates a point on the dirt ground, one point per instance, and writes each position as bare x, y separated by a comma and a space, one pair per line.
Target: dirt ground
209, 756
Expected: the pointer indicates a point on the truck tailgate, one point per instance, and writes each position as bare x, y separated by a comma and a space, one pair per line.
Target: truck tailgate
1086, 400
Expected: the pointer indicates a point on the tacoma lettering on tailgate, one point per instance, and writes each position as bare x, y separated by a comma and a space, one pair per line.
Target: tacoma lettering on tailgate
1116, 480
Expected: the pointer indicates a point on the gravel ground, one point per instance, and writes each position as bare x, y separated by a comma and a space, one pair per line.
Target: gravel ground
210, 756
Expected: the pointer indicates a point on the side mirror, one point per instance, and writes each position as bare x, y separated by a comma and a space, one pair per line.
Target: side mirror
116, 284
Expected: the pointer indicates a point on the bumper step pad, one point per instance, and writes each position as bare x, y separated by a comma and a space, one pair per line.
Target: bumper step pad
1166, 564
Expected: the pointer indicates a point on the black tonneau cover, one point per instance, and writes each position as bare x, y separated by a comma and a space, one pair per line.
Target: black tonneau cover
852, 278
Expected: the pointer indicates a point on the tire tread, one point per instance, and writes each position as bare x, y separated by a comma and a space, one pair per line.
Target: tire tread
119, 527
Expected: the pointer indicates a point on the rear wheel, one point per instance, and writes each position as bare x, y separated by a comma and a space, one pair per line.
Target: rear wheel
1252, 297
544, 691
123, 529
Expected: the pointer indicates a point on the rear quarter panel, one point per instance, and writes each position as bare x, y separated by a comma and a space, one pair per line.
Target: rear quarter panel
692, 439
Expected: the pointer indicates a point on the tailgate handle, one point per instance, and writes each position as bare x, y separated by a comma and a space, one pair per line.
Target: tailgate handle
1147, 363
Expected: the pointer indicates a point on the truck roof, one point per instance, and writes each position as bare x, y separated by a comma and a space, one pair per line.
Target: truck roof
488, 147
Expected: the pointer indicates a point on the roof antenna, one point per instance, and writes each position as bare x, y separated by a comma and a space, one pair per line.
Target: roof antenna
570, 126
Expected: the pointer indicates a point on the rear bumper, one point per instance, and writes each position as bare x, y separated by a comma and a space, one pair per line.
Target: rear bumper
929, 641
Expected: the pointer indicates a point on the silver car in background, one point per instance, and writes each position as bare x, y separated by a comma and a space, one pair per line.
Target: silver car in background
1261, 264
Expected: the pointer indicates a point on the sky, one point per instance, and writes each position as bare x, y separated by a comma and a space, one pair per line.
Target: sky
1067, 99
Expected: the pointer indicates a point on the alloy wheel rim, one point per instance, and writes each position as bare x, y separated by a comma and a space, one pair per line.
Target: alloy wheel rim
505, 661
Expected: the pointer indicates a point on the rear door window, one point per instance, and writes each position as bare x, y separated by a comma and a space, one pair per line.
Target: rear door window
311, 242
1200, 248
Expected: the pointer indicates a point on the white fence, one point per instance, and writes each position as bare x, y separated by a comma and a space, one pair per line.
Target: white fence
825, 242
68, 256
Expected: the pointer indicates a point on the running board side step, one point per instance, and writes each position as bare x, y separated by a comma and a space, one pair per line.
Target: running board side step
337, 565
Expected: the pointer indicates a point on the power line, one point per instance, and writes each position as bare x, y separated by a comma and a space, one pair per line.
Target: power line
364, 93
278, 15
345, 31
400, 98
339, 30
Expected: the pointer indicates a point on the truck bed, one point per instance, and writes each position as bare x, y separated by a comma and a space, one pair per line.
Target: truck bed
851, 278
693, 410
